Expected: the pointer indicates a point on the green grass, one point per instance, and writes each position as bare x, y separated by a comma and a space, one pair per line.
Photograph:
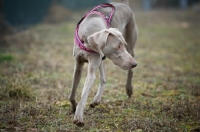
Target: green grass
6, 58
36, 68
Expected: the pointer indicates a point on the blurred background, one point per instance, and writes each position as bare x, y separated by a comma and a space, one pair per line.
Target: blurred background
23, 13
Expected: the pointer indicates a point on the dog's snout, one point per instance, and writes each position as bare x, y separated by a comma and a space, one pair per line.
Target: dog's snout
134, 65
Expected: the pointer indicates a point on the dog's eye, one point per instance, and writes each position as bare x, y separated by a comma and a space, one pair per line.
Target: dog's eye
119, 46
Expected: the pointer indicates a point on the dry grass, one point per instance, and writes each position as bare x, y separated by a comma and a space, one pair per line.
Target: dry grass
15, 88
36, 69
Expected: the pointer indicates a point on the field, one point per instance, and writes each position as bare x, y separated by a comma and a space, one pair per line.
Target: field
36, 68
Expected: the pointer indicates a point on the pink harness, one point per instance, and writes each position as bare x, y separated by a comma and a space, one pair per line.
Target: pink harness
107, 19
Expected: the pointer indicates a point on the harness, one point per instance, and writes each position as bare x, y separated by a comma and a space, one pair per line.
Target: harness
107, 19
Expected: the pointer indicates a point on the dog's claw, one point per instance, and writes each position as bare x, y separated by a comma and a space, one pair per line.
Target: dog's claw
78, 123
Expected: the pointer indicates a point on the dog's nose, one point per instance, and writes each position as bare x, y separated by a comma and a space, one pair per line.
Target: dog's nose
134, 65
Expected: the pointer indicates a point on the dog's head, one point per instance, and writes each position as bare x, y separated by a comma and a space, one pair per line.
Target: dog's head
111, 43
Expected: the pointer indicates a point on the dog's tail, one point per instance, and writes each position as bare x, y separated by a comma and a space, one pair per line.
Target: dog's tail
125, 2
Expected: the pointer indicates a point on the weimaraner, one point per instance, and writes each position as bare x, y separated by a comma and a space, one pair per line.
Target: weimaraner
100, 41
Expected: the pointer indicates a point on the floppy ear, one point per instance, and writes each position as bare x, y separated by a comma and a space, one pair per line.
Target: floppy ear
97, 41
118, 34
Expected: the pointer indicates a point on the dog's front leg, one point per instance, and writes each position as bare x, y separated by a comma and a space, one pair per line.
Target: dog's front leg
99, 93
92, 66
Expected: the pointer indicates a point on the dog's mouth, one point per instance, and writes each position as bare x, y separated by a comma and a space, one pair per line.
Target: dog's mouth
126, 66
125, 63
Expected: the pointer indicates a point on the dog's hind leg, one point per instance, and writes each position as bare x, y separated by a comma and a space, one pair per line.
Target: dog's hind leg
76, 79
131, 38
99, 93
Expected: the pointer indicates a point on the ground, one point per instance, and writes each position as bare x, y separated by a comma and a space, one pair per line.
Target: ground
36, 67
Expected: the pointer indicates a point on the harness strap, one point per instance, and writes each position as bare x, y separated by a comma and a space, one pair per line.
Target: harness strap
108, 20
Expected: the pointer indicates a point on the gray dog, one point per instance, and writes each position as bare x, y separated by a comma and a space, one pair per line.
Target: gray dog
94, 41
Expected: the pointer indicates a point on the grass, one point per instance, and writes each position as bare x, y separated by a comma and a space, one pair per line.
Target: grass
36, 74
15, 88
4, 58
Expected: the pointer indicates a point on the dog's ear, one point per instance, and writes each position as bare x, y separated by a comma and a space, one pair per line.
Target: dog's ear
117, 34
97, 41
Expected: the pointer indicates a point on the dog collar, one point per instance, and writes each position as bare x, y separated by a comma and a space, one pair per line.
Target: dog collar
107, 19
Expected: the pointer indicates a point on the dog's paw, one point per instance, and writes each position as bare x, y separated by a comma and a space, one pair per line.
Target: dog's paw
78, 123
92, 105
78, 117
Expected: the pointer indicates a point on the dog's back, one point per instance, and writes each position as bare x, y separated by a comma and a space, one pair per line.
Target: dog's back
122, 15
